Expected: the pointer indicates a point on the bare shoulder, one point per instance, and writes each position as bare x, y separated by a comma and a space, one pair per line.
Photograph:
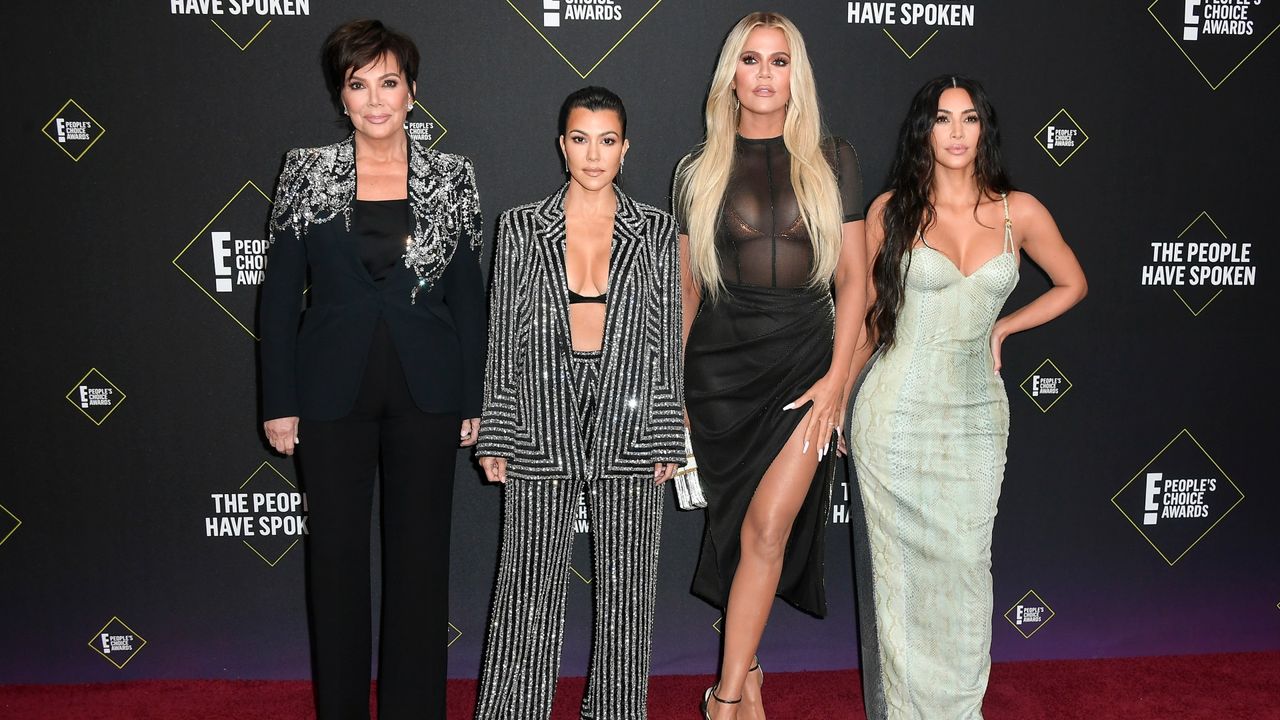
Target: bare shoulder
878, 205
1024, 207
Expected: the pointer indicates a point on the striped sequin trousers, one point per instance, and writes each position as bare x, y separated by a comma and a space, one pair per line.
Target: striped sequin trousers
526, 625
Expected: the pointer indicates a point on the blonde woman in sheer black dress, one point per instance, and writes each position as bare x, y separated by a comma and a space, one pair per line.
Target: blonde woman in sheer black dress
771, 218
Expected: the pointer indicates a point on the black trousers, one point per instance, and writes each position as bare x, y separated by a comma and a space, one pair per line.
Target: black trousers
416, 451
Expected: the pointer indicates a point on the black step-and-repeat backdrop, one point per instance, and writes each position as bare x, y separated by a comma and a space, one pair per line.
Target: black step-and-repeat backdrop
147, 532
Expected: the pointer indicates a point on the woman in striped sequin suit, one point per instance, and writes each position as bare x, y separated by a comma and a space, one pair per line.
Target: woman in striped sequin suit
583, 393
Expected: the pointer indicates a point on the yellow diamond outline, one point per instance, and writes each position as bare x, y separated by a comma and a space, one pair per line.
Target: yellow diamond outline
94, 647
16, 519
716, 625
1052, 614
455, 637
1200, 72
243, 485
580, 575
1021, 386
76, 405
247, 184
237, 42
1204, 214
910, 55
602, 57
1040, 132
436, 120
45, 130
1140, 472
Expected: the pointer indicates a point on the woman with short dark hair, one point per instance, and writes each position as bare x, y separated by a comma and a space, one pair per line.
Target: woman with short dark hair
384, 370
583, 395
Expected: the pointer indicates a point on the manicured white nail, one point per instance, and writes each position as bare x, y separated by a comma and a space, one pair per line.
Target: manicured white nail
805, 449
789, 406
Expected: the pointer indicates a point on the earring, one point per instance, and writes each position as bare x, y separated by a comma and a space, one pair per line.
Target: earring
736, 104
344, 110
622, 161
409, 107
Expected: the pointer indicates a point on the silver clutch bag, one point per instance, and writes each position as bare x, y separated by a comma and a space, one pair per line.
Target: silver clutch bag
689, 494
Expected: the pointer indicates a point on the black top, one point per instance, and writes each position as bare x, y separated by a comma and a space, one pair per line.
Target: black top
575, 298
762, 239
379, 229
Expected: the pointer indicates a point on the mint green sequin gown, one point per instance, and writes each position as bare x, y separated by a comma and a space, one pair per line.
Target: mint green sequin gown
929, 429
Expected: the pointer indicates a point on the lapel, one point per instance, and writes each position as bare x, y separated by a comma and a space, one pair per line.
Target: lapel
624, 301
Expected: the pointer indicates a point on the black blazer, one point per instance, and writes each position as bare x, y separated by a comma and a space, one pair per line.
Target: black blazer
433, 303
530, 414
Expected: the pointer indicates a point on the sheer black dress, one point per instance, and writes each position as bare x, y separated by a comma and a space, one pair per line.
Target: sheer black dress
754, 349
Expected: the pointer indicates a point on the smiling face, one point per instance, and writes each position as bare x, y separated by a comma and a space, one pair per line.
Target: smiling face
762, 80
377, 98
593, 147
957, 128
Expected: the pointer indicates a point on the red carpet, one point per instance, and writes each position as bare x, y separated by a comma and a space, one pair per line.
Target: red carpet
1244, 686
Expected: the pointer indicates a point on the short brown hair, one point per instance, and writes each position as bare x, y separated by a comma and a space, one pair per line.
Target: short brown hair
357, 43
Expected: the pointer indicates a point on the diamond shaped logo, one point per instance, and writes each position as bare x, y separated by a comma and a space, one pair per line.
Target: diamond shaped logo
9, 524
117, 643
1217, 37
241, 31
227, 258
1029, 614
912, 39
268, 514
1200, 264
454, 634
73, 130
1177, 497
1061, 137
583, 34
95, 396
717, 625
424, 127
1046, 385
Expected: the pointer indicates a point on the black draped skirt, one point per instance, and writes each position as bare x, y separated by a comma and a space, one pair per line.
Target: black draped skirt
751, 352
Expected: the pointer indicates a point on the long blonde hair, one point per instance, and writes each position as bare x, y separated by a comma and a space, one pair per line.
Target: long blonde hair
702, 180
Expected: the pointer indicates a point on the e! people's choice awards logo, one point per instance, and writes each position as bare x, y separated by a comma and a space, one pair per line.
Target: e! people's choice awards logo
1061, 137
910, 25
117, 643
267, 513
227, 258
241, 21
1029, 614
1178, 497
95, 396
73, 130
1217, 36
583, 32
1200, 264
1046, 385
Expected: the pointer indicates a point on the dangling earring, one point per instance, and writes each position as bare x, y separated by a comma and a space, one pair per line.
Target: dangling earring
736, 104
622, 161
344, 110
409, 107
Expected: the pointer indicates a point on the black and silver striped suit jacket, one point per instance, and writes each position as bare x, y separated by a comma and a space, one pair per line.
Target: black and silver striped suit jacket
530, 410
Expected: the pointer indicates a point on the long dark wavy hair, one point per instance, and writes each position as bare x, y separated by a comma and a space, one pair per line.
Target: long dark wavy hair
909, 211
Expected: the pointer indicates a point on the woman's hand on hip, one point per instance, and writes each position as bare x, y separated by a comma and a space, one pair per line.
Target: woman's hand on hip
495, 469
469, 433
282, 433
827, 396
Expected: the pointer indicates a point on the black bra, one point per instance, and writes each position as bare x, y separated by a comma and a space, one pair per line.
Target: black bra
575, 298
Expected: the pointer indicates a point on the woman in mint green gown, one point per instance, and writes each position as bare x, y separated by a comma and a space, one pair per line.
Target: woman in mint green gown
931, 416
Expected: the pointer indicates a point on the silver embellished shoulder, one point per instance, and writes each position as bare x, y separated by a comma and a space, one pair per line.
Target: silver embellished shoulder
318, 184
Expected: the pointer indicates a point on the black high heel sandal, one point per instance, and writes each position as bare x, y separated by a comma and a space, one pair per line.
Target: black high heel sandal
756, 667
706, 700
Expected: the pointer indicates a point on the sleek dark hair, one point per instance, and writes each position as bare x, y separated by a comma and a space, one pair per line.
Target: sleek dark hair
909, 210
354, 44
594, 99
